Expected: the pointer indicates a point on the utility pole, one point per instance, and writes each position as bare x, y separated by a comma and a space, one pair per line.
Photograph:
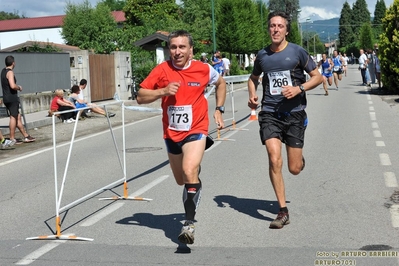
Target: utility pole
213, 26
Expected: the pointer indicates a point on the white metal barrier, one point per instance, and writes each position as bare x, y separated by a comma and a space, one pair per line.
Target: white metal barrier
59, 192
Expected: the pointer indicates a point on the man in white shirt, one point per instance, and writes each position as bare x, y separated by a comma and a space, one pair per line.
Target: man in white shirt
226, 64
363, 65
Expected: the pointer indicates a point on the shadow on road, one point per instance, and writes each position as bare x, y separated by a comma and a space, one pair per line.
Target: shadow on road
249, 207
171, 225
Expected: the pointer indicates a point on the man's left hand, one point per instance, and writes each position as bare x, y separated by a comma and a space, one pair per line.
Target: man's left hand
218, 119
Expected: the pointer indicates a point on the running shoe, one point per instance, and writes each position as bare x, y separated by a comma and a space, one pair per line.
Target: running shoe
111, 114
17, 141
13, 142
7, 143
282, 219
187, 233
29, 138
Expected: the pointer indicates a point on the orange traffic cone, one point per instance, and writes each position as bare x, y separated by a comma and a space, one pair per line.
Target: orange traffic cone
253, 115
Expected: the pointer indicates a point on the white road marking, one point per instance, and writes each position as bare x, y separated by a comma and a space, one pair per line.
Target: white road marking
95, 218
39, 252
374, 125
149, 186
380, 143
377, 133
390, 179
370, 102
110, 209
384, 159
372, 116
371, 108
394, 209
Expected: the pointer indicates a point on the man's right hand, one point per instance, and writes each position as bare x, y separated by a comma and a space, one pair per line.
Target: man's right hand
253, 102
172, 88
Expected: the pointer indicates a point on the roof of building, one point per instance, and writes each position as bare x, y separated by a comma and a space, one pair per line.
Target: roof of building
62, 47
152, 41
44, 22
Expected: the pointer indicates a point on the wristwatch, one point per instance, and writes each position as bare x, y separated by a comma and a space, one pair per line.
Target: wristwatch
220, 109
301, 88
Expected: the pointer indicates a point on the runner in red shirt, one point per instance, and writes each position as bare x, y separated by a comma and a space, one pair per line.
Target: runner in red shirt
180, 83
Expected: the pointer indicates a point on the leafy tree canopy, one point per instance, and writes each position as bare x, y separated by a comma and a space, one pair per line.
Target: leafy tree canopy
88, 28
7, 16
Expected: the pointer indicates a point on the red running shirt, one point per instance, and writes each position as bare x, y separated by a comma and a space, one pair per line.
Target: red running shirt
186, 112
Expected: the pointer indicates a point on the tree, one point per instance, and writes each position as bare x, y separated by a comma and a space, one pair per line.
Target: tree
39, 47
360, 15
294, 35
149, 16
389, 48
238, 34
366, 36
7, 16
88, 28
115, 5
288, 6
346, 36
379, 14
198, 18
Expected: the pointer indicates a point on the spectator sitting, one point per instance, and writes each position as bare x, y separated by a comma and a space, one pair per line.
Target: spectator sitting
59, 104
80, 103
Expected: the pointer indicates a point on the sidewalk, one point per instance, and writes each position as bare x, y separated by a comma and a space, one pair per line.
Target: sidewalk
33, 120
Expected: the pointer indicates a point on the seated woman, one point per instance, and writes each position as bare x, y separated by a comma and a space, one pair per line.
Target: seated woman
79, 103
59, 104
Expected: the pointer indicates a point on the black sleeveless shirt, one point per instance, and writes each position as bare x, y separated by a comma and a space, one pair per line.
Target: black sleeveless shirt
9, 95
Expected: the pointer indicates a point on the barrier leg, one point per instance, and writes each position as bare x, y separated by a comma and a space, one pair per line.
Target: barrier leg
125, 188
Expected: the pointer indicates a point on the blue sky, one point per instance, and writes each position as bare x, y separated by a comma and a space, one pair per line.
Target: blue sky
320, 9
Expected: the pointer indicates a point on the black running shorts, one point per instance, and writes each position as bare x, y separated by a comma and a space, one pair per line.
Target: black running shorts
287, 127
175, 147
12, 109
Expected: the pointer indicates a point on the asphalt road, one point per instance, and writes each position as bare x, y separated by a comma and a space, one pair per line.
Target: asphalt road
343, 206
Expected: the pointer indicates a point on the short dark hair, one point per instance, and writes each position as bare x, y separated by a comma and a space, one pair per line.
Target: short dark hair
181, 33
83, 82
75, 89
9, 60
283, 15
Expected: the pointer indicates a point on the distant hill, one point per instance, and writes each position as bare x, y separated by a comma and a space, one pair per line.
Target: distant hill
328, 28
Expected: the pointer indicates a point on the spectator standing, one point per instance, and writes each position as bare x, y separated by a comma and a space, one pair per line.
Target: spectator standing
204, 59
217, 62
346, 61
226, 65
363, 66
185, 117
282, 118
371, 65
377, 68
11, 100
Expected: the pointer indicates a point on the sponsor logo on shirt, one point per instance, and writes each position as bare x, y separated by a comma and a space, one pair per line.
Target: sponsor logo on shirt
194, 84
